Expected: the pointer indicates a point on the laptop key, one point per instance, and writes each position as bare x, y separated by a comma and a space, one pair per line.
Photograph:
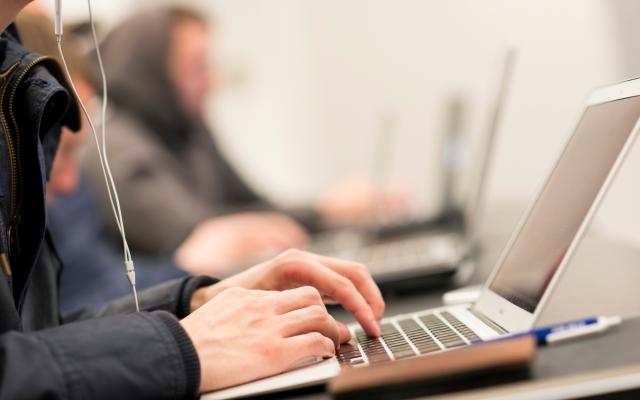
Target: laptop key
348, 354
447, 336
404, 354
356, 361
372, 347
348, 351
396, 342
424, 348
377, 358
418, 336
460, 327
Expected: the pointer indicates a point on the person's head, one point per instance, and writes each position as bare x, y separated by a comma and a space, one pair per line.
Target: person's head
158, 73
36, 31
188, 65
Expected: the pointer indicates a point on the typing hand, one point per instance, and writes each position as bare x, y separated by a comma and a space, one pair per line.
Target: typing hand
346, 282
242, 334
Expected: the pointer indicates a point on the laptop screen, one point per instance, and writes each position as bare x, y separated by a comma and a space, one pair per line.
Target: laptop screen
552, 224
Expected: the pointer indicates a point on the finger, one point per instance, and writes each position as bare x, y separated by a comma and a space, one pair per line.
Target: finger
361, 278
307, 271
345, 333
308, 345
312, 294
309, 319
298, 298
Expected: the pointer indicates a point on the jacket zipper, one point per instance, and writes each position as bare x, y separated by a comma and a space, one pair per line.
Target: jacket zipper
14, 152
6, 267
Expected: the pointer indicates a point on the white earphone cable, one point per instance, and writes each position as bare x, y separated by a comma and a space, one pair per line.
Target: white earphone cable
101, 144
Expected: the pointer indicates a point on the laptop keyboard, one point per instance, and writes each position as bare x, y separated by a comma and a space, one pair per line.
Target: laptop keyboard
410, 253
437, 250
460, 327
407, 337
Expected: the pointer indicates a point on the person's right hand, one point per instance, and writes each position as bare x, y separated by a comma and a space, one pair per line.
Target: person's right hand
218, 245
339, 281
242, 335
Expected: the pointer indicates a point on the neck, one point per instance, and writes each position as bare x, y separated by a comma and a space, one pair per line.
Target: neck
9, 10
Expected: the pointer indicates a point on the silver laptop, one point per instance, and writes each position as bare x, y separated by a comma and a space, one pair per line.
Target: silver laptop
431, 250
530, 267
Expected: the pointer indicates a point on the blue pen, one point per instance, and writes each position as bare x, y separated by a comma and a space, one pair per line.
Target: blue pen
574, 329
568, 330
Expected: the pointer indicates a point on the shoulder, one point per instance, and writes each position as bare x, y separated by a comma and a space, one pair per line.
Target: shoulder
128, 142
131, 151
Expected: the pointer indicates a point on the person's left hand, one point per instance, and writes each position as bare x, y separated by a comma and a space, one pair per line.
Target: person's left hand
347, 283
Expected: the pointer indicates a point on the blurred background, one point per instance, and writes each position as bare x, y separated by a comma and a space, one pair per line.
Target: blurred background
309, 87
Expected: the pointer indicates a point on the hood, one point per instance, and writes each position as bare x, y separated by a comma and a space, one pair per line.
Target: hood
135, 56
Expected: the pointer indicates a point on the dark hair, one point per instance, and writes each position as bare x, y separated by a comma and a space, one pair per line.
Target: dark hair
178, 15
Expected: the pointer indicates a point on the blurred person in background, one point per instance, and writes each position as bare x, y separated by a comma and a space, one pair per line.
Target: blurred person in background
93, 272
172, 175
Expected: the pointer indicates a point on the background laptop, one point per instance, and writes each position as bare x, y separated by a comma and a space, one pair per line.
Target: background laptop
531, 265
430, 251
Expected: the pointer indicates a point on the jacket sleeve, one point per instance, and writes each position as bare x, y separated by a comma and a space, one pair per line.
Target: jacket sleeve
141, 355
173, 297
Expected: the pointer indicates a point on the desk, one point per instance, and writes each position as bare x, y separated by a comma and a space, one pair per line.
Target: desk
615, 349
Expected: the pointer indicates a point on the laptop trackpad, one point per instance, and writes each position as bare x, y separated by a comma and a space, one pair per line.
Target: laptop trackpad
297, 378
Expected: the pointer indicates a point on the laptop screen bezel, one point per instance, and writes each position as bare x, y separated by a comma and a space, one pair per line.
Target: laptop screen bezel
501, 311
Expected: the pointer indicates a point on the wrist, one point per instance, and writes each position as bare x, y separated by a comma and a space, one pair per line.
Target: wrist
188, 351
192, 294
204, 294
198, 298
252, 278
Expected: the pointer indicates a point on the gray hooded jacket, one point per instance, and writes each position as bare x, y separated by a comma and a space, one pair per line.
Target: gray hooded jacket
170, 172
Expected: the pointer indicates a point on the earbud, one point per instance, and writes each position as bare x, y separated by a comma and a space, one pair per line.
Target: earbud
58, 20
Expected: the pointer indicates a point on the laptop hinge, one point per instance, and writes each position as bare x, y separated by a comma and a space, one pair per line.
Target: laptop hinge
487, 321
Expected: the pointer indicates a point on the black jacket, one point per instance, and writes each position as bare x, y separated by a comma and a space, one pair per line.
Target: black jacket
111, 352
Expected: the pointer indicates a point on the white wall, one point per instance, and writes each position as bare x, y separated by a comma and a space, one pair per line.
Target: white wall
309, 81
319, 76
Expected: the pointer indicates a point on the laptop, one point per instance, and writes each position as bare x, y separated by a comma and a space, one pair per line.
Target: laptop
430, 251
541, 248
